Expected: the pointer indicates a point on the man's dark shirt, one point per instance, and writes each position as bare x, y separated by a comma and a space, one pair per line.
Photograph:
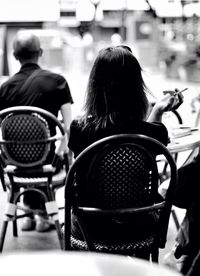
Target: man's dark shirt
48, 90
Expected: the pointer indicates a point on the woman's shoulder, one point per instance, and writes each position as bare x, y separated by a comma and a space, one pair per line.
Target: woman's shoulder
149, 125
159, 132
80, 121
156, 130
75, 126
158, 125
78, 124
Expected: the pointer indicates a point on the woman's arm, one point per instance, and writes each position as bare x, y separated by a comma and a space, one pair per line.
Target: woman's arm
168, 103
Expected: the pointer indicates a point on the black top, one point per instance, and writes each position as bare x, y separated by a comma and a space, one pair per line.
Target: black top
81, 137
48, 90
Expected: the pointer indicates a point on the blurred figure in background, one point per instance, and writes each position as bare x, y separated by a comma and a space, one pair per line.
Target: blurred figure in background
88, 50
33, 86
116, 39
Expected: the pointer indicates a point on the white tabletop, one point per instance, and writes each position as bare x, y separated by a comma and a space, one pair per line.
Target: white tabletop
54, 263
188, 141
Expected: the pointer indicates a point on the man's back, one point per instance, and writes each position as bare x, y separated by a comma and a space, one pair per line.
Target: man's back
46, 90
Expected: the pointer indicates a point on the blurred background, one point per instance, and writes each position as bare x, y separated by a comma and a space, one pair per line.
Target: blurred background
161, 32
164, 35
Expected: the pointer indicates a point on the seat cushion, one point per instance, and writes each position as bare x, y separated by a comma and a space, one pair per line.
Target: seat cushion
57, 181
132, 248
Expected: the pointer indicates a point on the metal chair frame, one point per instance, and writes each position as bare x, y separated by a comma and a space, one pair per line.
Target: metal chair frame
97, 150
25, 147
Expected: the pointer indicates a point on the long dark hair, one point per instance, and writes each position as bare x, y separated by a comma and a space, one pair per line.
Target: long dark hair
116, 89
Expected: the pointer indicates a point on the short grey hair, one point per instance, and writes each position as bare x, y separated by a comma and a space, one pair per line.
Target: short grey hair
26, 45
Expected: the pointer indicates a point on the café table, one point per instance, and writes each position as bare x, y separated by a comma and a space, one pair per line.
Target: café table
76, 263
184, 138
183, 145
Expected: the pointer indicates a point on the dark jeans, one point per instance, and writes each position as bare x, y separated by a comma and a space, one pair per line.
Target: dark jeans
34, 200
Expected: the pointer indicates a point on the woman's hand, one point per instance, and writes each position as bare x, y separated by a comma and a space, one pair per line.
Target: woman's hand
171, 101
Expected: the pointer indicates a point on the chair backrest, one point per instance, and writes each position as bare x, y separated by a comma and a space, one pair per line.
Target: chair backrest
118, 175
27, 134
121, 176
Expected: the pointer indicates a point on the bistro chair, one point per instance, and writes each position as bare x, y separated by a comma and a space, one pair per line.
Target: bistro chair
32, 147
112, 182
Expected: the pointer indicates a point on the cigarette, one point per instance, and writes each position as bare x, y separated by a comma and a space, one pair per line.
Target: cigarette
174, 93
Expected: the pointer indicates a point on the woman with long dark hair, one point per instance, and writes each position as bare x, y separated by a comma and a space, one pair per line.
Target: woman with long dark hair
116, 102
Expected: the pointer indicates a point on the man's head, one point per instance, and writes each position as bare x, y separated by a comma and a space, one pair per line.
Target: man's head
26, 47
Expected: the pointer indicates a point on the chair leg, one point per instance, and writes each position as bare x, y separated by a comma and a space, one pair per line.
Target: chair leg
67, 226
3, 234
8, 216
155, 255
175, 218
53, 211
15, 231
59, 233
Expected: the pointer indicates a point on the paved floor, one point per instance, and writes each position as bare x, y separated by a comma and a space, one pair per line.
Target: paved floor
31, 241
